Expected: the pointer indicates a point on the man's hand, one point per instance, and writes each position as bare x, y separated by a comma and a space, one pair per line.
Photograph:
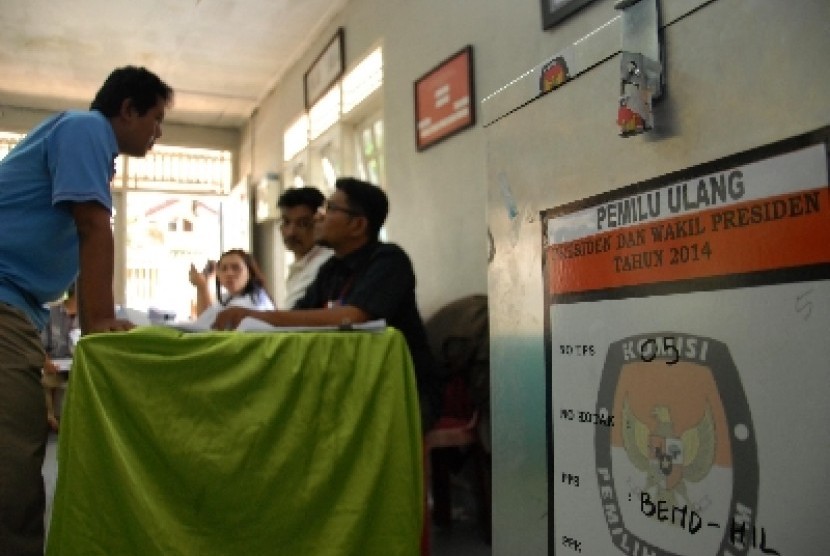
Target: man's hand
230, 318
49, 367
110, 325
51, 382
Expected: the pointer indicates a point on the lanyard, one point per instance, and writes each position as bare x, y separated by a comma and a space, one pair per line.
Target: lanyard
341, 297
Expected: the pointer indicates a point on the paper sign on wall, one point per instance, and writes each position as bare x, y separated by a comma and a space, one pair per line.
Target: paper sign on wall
687, 321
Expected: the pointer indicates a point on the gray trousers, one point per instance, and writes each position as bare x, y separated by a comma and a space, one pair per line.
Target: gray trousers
23, 433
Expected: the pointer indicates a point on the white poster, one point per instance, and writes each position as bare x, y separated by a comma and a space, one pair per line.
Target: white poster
689, 320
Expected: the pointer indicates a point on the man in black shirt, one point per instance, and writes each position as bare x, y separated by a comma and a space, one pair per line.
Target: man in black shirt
365, 279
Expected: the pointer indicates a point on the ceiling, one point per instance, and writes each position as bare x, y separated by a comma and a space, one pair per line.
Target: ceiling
220, 56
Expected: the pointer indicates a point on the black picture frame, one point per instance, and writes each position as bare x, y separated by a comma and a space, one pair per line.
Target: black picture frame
326, 69
554, 11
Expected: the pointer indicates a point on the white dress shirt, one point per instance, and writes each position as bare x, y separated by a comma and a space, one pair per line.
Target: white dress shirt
302, 272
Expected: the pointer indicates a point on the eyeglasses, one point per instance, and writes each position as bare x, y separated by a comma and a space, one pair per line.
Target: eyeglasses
304, 223
333, 207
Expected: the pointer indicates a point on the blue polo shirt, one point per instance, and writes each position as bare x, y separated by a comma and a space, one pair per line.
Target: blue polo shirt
68, 158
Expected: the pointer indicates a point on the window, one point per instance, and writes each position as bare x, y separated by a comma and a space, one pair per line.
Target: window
163, 234
324, 113
315, 146
178, 169
369, 149
295, 138
8, 141
325, 160
364, 79
173, 201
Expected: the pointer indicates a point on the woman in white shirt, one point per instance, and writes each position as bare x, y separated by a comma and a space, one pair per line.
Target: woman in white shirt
239, 283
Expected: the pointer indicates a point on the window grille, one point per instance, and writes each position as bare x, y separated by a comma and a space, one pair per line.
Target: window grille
179, 169
7, 142
165, 168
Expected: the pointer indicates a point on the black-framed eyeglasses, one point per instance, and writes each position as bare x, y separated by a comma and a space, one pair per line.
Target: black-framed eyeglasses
334, 207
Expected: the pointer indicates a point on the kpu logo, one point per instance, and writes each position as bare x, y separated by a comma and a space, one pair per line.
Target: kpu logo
678, 472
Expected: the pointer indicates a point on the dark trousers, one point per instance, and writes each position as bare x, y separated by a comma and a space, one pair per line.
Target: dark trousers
23, 433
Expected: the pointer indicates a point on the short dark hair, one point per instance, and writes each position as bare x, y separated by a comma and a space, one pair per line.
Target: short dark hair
299, 196
139, 84
367, 199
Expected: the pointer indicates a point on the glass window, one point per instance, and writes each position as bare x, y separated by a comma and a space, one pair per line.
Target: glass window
369, 149
7, 142
325, 113
183, 169
173, 219
295, 138
364, 79
165, 234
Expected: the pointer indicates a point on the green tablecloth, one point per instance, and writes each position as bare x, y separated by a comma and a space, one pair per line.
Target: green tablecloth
239, 444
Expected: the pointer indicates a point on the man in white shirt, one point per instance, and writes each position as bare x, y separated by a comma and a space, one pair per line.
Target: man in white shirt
298, 208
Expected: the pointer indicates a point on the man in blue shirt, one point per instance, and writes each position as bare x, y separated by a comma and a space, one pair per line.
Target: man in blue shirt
55, 210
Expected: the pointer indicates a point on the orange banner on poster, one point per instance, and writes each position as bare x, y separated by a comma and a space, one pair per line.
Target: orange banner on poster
778, 232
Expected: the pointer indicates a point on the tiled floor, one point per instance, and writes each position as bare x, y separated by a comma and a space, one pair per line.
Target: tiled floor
465, 537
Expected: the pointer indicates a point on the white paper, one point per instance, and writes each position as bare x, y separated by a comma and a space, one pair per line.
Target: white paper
250, 324
138, 318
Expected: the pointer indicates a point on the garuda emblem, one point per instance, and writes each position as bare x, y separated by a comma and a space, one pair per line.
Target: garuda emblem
669, 458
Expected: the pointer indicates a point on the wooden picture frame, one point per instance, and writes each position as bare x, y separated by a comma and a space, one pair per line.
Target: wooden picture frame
325, 70
445, 99
554, 11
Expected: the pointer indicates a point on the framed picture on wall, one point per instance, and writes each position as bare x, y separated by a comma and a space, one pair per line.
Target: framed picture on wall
445, 99
554, 11
325, 70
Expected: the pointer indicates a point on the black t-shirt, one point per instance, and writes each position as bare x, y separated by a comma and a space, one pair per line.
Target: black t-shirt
379, 279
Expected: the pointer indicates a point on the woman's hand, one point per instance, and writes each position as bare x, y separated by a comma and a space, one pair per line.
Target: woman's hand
197, 278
